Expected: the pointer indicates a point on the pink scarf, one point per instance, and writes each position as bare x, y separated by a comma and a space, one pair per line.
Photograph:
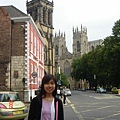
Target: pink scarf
57, 110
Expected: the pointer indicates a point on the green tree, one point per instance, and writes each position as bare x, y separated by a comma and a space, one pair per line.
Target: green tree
102, 61
63, 78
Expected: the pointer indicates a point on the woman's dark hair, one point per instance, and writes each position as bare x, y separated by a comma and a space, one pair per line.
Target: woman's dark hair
45, 80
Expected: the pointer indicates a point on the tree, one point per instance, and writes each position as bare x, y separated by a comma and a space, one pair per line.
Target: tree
102, 61
63, 78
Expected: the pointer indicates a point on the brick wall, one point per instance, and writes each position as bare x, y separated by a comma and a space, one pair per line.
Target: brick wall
18, 39
5, 46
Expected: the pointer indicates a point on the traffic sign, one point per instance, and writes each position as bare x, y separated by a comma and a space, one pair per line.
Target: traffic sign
34, 74
59, 82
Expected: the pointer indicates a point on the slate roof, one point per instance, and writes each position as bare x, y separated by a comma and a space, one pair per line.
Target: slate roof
13, 11
67, 55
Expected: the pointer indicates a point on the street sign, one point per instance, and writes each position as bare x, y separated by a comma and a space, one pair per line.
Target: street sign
34, 74
59, 82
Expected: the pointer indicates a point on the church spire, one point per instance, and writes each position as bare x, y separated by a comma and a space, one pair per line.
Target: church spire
81, 27
64, 34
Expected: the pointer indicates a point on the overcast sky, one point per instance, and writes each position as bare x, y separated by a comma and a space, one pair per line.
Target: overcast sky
98, 16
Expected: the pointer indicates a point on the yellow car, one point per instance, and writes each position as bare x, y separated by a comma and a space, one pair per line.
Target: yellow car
114, 90
11, 107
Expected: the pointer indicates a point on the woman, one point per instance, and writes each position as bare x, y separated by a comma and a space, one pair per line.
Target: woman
46, 106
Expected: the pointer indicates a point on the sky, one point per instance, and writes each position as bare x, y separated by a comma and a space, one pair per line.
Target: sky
98, 16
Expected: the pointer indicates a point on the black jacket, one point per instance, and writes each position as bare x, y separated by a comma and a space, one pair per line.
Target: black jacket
36, 105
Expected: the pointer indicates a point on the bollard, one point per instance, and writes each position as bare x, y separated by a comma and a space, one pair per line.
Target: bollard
118, 91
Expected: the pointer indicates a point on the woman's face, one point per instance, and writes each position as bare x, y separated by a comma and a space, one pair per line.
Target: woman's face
49, 87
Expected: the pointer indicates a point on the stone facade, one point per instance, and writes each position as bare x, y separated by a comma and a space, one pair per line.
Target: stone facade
18, 72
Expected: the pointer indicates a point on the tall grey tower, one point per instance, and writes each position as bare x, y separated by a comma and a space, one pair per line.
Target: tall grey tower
60, 44
80, 41
63, 57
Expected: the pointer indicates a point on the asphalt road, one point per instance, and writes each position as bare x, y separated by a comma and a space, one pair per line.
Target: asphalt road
90, 105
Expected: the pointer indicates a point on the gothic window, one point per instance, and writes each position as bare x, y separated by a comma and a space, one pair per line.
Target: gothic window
49, 17
78, 46
44, 15
92, 48
62, 49
35, 14
56, 50
67, 68
45, 53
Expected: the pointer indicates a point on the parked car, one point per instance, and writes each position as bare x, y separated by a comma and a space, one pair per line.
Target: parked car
81, 89
11, 107
114, 90
67, 92
101, 90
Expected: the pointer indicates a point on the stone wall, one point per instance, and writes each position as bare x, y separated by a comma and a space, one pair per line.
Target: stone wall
18, 70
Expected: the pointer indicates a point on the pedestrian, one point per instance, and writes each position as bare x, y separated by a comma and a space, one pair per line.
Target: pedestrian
58, 93
64, 96
46, 106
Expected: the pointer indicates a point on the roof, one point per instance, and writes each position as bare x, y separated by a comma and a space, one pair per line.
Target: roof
14, 12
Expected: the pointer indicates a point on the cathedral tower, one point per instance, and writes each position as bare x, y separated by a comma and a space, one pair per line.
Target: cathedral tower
63, 57
80, 41
60, 44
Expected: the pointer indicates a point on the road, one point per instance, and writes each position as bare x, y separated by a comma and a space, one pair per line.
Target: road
92, 106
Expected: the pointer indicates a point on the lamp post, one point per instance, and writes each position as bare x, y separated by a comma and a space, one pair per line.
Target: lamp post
95, 81
94, 76
34, 75
59, 81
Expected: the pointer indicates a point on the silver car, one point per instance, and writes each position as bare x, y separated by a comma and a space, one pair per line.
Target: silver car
67, 92
101, 90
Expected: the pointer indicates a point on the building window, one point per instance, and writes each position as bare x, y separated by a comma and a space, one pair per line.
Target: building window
56, 50
35, 45
44, 15
67, 68
78, 46
42, 54
92, 48
31, 49
45, 53
49, 17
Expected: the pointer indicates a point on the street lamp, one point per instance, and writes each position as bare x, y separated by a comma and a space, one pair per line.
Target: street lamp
59, 81
34, 75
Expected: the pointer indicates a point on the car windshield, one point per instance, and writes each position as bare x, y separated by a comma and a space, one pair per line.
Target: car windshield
6, 97
67, 90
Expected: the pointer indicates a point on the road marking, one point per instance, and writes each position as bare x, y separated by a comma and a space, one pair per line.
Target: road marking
68, 101
104, 118
96, 109
105, 97
78, 113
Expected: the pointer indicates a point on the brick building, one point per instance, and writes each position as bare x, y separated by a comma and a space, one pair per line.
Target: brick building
21, 51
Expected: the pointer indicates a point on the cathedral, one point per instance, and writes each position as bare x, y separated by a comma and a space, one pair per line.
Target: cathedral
56, 52
56, 55
81, 45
